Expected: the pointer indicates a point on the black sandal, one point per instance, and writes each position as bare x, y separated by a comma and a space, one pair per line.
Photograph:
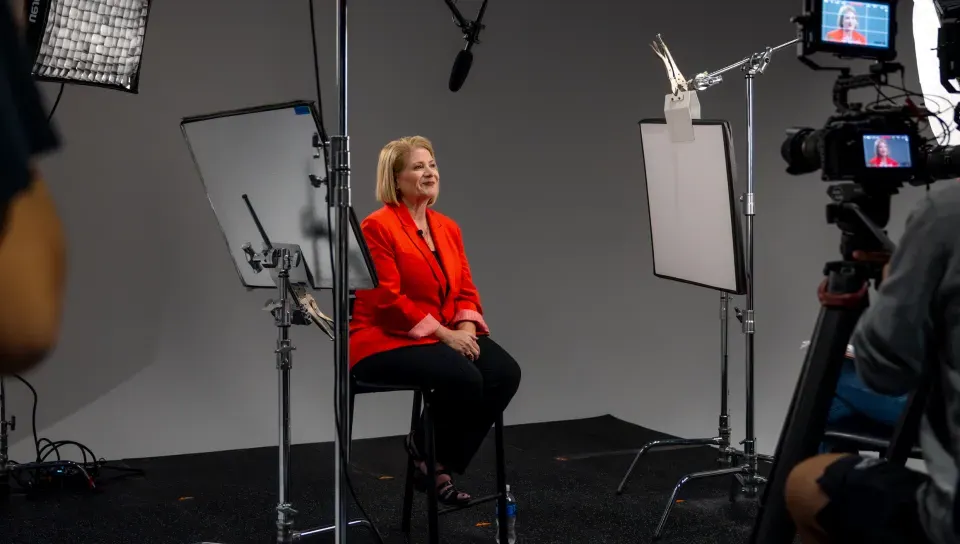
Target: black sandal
447, 492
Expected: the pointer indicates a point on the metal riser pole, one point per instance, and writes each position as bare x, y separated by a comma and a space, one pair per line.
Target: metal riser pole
341, 190
722, 441
749, 318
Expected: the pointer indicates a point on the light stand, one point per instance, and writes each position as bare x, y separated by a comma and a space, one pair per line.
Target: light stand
722, 440
281, 259
746, 470
341, 201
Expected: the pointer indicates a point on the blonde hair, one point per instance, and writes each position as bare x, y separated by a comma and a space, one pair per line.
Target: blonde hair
844, 9
392, 161
878, 143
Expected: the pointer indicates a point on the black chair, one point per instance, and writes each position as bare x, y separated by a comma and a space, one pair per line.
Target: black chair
858, 433
894, 443
421, 405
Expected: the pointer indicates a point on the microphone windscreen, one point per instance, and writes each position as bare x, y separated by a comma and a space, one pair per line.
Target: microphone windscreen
461, 67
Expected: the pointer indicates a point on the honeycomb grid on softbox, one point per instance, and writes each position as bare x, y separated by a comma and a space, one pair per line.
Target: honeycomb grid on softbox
92, 42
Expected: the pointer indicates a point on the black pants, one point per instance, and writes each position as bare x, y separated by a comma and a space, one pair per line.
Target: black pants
467, 395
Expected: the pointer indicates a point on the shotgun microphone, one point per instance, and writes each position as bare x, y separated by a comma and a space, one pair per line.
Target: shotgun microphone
461, 67
471, 33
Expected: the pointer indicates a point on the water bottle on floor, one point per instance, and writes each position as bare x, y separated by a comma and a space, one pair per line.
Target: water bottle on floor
511, 518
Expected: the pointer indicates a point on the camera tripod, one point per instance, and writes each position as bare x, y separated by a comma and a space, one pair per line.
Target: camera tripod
843, 296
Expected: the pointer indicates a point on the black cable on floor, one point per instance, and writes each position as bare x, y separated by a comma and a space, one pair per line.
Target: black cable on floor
49, 447
337, 376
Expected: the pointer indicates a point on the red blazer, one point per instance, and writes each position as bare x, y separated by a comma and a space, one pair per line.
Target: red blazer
414, 297
880, 161
855, 37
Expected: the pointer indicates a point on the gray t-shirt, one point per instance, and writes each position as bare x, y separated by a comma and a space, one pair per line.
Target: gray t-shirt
914, 320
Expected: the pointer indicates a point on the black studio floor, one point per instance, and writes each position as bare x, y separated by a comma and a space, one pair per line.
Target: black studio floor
228, 497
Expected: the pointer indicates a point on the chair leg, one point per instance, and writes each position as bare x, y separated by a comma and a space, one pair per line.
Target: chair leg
433, 514
408, 485
501, 481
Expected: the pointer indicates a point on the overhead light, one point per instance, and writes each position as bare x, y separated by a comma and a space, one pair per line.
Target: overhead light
91, 42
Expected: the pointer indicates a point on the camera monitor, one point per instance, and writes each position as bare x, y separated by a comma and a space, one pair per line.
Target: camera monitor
887, 151
852, 29
694, 221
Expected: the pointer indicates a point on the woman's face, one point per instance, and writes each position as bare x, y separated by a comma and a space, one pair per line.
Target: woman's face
882, 149
849, 20
419, 180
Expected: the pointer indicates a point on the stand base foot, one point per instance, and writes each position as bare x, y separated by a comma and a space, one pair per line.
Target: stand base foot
296, 536
744, 482
299, 535
676, 443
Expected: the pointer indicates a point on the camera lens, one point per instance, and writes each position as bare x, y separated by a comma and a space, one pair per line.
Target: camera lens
800, 150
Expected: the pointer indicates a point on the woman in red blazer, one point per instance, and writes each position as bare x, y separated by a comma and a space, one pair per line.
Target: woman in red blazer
881, 155
423, 325
846, 31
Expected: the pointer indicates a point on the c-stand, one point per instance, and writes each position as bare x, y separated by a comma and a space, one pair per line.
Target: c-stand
843, 294
285, 264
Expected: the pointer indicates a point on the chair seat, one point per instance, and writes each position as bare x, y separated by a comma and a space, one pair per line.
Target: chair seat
361, 388
866, 434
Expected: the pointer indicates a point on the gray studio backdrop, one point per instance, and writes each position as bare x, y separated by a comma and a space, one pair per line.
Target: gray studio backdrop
163, 352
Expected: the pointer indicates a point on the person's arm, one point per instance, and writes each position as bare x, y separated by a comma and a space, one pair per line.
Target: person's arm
396, 313
32, 279
892, 338
32, 249
467, 303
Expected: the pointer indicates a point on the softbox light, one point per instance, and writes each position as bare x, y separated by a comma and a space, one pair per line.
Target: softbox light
90, 42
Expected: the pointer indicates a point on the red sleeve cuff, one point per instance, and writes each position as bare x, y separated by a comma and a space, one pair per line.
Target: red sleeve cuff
427, 326
470, 315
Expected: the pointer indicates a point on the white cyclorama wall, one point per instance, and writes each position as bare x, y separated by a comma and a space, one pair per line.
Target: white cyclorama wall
164, 353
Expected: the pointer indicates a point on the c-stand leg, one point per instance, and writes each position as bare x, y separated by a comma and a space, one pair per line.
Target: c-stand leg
722, 440
843, 298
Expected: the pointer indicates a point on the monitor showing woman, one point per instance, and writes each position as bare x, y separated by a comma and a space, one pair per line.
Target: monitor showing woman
847, 24
881, 155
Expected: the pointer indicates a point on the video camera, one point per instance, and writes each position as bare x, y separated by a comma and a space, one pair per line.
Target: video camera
875, 149
880, 145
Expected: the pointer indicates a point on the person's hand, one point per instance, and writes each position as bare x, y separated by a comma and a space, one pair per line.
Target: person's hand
468, 326
462, 342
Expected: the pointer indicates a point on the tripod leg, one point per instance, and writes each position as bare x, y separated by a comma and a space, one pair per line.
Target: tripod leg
808, 411
658, 444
